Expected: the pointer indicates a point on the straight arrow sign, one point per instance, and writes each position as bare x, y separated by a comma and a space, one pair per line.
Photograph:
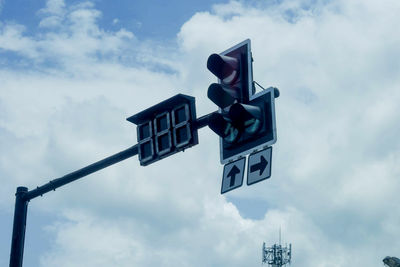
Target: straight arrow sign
233, 175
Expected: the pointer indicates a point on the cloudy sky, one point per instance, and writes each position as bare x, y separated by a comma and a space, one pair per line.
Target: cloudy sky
71, 72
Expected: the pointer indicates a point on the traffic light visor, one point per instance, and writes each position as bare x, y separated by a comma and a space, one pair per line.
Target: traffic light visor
224, 67
247, 117
222, 96
223, 127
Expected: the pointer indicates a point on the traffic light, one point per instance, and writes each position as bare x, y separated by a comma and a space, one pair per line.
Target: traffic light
245, 121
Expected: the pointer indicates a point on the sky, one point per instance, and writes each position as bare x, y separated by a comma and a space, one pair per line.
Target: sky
71, 72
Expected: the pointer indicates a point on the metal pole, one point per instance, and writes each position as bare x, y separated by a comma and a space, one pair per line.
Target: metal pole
19, 226
68, 178
203, 120
23, 196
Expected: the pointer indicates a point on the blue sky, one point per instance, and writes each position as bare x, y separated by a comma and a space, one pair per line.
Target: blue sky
156, 20
71, 72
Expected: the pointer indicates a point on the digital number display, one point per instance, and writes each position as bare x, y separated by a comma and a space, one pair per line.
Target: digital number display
166, 128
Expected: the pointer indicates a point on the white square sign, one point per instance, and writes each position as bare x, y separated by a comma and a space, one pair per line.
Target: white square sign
259, 166
233, 175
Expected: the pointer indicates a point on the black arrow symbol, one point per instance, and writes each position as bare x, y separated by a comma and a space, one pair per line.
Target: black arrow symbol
259, 166
232, 174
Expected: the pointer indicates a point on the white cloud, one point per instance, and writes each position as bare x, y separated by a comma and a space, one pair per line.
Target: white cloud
54, 7
335, 165
73, 39
53, 13
12, 39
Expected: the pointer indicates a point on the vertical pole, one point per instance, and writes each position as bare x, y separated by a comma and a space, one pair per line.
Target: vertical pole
18, 235
23, 196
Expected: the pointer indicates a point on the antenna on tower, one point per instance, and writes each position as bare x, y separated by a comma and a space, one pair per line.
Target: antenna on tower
279, 235
276, 255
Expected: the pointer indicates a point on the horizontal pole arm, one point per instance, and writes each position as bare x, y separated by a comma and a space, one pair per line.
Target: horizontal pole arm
68, 178
203, 120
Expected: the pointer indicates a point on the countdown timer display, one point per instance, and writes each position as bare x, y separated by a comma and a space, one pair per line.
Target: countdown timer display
166, 128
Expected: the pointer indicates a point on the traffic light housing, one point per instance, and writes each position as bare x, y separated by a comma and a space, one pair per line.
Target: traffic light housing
245, 121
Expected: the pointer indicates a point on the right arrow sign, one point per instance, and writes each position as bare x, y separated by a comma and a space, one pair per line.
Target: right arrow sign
259, 167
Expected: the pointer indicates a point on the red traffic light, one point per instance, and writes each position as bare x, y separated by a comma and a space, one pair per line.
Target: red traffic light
226, 68
245, 121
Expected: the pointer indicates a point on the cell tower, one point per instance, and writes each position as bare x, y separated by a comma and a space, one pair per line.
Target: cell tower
277, 256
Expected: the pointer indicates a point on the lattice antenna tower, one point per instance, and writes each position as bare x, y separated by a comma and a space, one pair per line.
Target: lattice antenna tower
277, 255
